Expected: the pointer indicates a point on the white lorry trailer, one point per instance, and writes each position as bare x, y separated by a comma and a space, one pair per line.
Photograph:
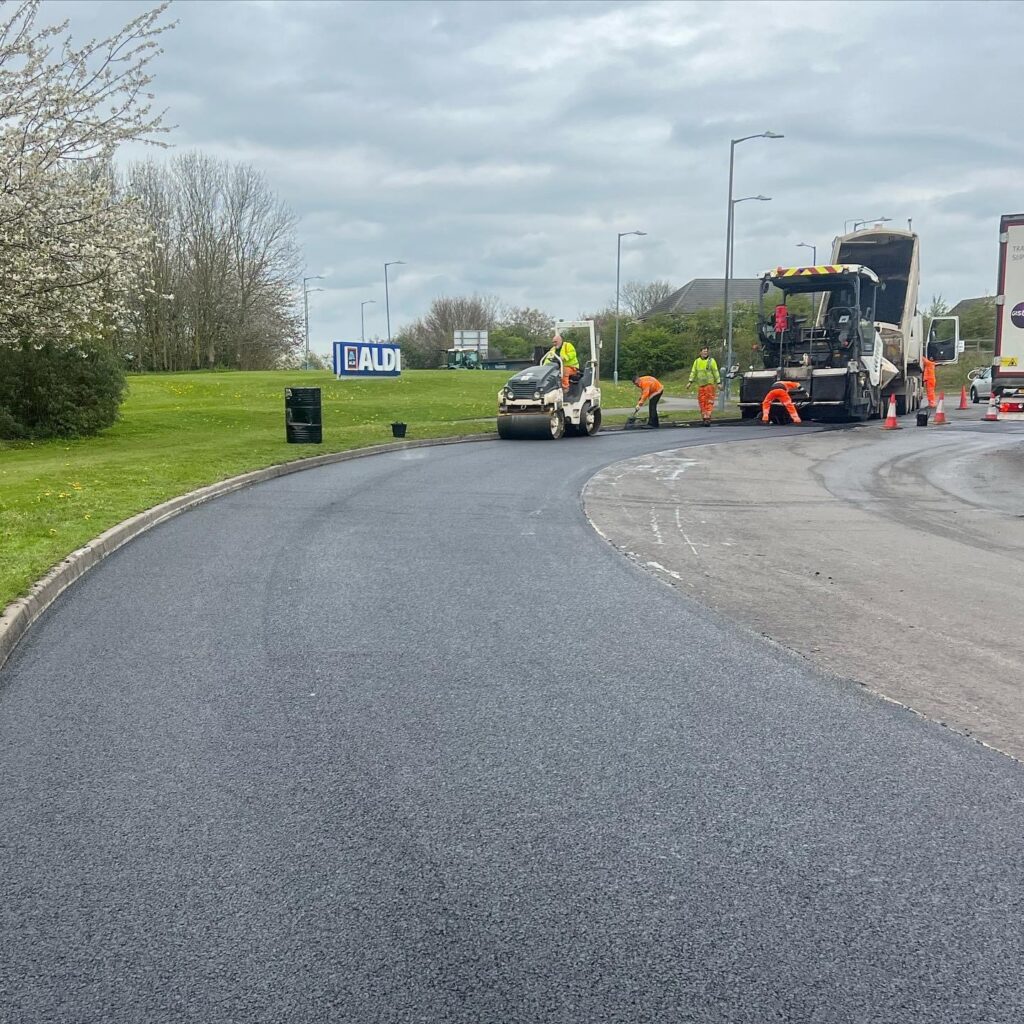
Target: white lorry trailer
865, 342
1008, 358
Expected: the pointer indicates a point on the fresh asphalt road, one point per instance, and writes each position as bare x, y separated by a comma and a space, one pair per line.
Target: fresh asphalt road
404, 739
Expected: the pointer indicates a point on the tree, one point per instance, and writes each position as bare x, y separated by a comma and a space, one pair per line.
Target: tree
637, 298
978, 321
218, 285
425, 341
69, 243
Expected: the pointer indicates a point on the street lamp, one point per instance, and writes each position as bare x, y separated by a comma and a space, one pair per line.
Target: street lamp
362, 318
305, 306
618, 268
814, 263
732, 255
732, 247
733, 143
865, 220
387, 299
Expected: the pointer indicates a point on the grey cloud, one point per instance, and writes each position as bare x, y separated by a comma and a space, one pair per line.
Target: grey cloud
499, 147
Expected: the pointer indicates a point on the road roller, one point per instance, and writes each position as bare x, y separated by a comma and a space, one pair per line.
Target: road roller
533, 407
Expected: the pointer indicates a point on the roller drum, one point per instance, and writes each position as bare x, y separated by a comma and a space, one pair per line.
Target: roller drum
527, 427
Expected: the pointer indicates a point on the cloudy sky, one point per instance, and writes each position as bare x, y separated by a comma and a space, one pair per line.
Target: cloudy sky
498, 147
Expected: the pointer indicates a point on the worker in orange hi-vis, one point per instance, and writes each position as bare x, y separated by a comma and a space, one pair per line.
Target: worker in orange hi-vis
929, 378
650, 389
780, 394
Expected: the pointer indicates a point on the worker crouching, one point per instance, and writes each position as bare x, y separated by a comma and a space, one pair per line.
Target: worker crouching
780, 394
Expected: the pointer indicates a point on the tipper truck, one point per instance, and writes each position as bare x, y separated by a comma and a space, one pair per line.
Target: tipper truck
865, 339
1008, 358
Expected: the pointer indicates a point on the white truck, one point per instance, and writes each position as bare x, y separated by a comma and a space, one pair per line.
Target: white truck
1008, 358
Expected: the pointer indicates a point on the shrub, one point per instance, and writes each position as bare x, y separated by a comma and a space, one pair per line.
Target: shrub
55, 391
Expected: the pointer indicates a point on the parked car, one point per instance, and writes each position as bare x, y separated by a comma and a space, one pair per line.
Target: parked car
981, 384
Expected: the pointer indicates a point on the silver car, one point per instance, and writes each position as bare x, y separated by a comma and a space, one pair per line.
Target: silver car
981, 384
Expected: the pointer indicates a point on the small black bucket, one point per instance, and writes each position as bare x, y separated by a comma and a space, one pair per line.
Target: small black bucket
398, 429
922, 417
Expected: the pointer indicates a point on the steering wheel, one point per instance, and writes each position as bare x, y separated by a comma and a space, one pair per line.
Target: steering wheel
834, 315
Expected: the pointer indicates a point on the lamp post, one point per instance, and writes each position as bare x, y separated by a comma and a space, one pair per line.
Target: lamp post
362, 318
618, 268
387, 299
814, 251
732, 256
865, 220
305, 307
733, 143
814, 263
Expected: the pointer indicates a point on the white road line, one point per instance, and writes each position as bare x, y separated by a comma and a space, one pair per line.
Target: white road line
656, 529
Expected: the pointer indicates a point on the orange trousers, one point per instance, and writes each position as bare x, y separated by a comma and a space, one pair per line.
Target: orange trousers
706, 395
930, 388
779, 395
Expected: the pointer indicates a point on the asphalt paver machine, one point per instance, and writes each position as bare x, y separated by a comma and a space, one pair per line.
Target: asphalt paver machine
533, 406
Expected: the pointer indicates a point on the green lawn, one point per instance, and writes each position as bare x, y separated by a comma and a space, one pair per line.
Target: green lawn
178, 432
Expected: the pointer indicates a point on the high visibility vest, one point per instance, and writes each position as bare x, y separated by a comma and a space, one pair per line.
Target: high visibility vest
568, 353
704, 371
649, 387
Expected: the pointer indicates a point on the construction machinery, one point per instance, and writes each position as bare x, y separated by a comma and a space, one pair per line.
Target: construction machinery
865, 339
533, 405
471, 359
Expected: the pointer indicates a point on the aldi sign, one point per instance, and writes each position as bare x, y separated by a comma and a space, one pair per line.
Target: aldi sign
366, 359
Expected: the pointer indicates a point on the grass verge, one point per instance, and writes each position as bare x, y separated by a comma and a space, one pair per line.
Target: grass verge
178, 432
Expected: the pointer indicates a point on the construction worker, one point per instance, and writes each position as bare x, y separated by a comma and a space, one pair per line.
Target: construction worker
566, 351
651, 390
704, 373
780, 393
928, 366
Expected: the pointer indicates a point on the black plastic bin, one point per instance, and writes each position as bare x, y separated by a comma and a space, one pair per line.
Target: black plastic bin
303, 417
398, 430
922, 417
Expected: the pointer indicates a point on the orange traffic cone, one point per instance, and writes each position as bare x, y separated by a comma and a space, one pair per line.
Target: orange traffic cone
891, 423
992, 415
940, 411
963, 397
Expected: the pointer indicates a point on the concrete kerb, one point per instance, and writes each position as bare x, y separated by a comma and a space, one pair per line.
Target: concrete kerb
18, 616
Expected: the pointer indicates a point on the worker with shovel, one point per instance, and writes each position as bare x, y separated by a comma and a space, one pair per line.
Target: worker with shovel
651, 390
566, 352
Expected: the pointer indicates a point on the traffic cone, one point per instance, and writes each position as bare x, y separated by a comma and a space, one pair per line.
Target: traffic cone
940, 411
963, 397
992, 415
891, 423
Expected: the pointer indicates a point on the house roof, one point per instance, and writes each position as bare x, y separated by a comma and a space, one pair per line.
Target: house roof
965, 304
706, 293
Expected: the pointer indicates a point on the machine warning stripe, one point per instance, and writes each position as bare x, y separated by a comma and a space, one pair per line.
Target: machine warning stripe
807, 271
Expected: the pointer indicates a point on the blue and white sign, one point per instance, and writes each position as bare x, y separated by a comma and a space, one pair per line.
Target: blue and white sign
367, 359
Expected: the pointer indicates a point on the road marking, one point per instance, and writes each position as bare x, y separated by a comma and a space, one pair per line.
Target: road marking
656, 529
679, 524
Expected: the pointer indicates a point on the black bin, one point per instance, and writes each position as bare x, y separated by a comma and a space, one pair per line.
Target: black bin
303, 421
922, 417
